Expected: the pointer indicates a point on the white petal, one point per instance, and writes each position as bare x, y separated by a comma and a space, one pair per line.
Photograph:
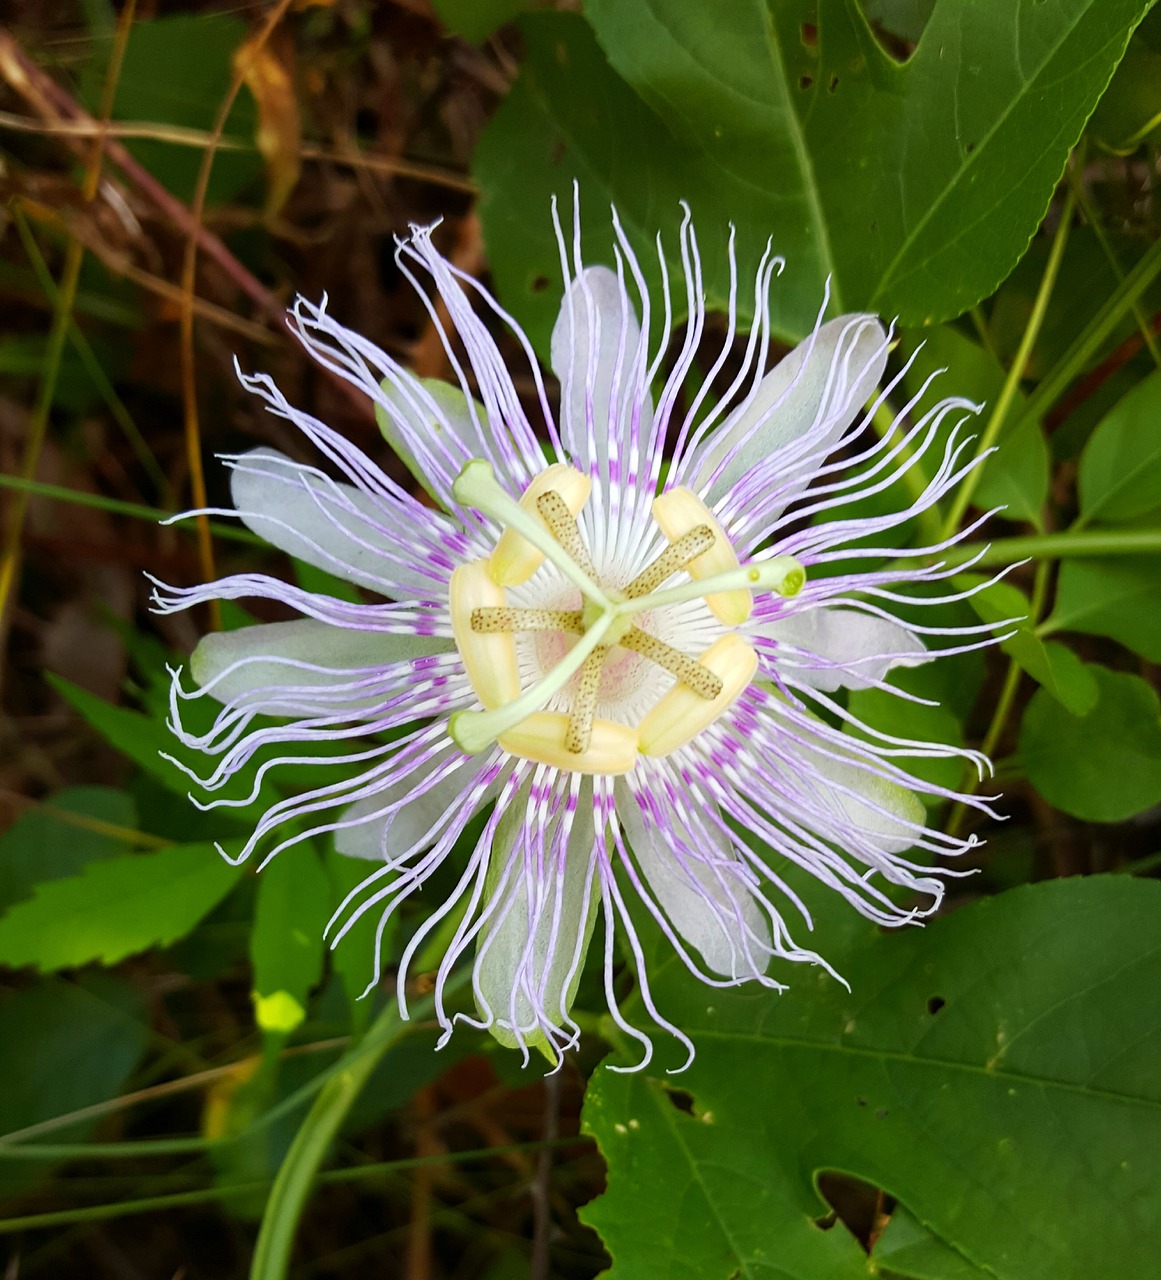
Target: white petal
333, 526
544, 976
430, 425
855, 649
702, 899
416, 823
268, 652
596, 300
883, 810
799, 395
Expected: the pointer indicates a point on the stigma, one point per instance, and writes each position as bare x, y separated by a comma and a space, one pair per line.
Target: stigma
552, 718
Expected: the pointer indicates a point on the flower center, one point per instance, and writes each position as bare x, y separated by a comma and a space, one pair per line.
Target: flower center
543, 525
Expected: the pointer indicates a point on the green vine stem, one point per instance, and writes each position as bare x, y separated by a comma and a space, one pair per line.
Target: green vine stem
1075, 179
1007, 396
1057, 546
1006, 700
115, 506
1076, 359
299, 1170
207, 1195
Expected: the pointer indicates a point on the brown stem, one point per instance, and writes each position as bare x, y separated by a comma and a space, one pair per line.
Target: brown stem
56, 104
1096, 378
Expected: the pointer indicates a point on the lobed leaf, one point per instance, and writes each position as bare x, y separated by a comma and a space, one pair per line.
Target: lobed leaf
914, 187
994, 1072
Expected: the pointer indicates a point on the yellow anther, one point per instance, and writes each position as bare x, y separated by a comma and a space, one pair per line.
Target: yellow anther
515, 559
681, 714
489, 657
541, 737
678, 511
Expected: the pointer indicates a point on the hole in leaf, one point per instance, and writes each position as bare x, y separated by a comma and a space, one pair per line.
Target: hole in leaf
971, 146
539, 284
862, 1208
862, 1102
832, 84
935, 1004
898, 28
804, 82
682, 1100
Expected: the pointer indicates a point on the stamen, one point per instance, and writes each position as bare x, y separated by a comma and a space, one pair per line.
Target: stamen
680, 716
488, 621
563, 527
612, 750
490, 661
542, 525
477, 486
584, 703
515, 559
676, 556
679, 510
692, 674
472, 731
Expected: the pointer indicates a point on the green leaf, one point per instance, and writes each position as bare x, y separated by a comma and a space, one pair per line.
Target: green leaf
116, 908
1111, 596
568, 116
994, 1072
1071, 682
914, 722
1120, 469
43, 844
134, 735
1130, 110
286, 946
354, 957
147, 741
904, 18
475, 20
1016, 476
1052, 665
1104, 766
177, 70
68, 1046
915, 186
907, 1249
